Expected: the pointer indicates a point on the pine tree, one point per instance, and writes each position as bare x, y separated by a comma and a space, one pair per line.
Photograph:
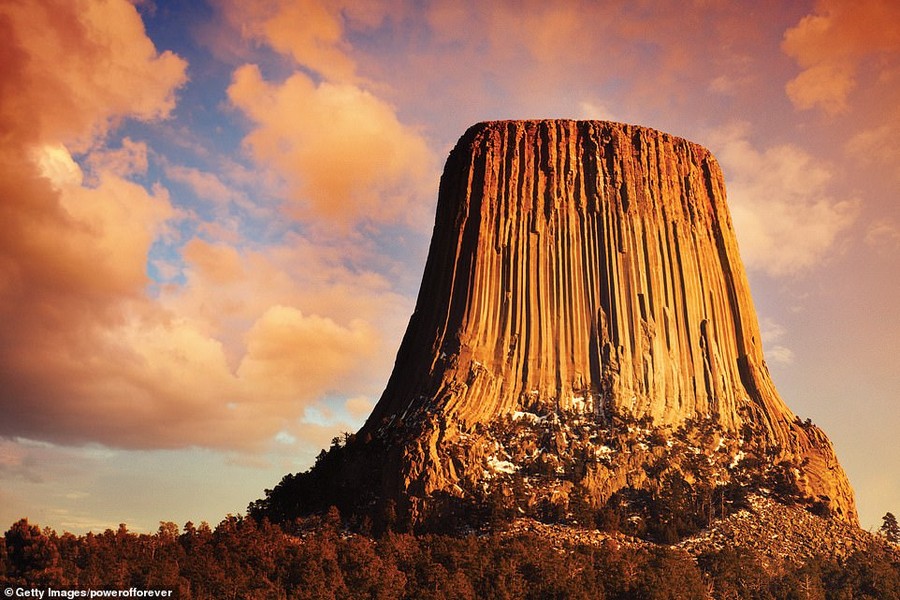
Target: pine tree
890, 529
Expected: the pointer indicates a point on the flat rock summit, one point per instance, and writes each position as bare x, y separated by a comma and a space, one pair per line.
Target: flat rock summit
584, 326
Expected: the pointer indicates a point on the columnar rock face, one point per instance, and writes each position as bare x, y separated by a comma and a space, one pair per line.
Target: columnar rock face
584, 267
585, 264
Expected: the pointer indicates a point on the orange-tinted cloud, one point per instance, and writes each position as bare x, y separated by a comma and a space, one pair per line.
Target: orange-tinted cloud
879, 145
87, 354
784, 218
206, 185
540, 54
342, 151
129, 159
51, 49
883, 235
832, 44
311, 32
296, 356
773, 341
69, 253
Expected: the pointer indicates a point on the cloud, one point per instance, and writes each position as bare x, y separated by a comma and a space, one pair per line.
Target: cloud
772, 333
833, 44
254, 337
593, 110
883, 235
226, 360
878, 145
537, 55
72, 258
311, 32
52, 49
73, 251
129, 159
292, 354
783, 216
359, 407
205, 185
342, 151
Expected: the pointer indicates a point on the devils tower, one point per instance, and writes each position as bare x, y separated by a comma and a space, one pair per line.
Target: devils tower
583, 288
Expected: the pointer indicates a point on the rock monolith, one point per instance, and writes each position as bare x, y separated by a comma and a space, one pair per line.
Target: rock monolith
587, 269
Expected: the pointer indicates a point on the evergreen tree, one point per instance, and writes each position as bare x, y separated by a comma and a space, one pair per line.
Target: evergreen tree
889, 528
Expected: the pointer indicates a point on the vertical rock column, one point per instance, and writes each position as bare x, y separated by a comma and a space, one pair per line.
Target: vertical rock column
586, 266
579, 265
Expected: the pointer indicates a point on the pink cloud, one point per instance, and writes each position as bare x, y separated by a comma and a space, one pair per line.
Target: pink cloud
52, 49
294, 355
86, 353
831, 44
206, 185
129, 159
312, 32
784, 217
883, 235
343, 152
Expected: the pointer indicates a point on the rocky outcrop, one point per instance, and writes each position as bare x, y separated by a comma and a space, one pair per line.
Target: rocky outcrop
586, 269
779, 536
580, 265
590, 267
785, 534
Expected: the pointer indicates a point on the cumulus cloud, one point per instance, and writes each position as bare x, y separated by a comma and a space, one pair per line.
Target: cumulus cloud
206, 185
878, 145
311, 353
831, 45
66, 244
784, 217
342, 151
130, 158
237, 354
51, 49
311, 32
72, 258
538, 55
225, 361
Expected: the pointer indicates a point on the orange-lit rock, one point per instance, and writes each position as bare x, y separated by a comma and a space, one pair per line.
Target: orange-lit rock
589, 267
584, 326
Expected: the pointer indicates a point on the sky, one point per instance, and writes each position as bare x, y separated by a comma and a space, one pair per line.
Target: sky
214, 217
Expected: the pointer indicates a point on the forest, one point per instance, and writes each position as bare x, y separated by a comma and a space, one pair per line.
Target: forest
318, 558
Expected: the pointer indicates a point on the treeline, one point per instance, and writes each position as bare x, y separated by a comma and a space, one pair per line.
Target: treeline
314, 558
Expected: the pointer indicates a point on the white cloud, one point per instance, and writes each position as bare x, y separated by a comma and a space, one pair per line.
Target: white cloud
593, 110
772, 333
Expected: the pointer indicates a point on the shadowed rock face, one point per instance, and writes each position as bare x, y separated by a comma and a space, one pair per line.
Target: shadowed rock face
588, 267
